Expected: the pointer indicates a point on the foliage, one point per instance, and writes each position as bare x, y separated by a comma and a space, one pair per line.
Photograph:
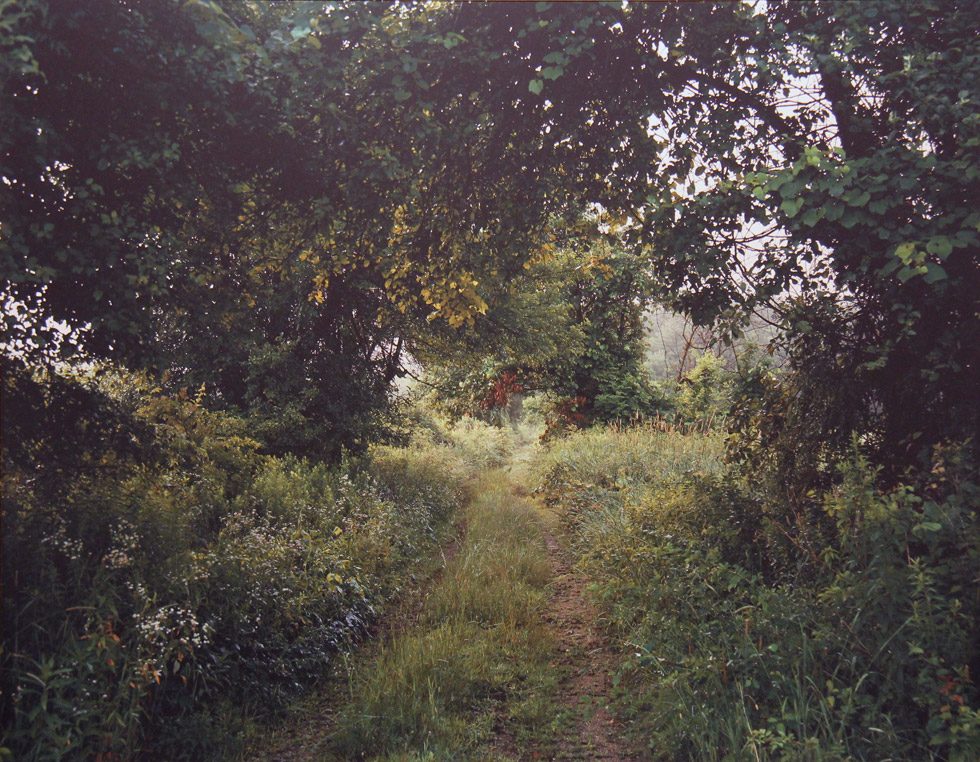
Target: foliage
577, 313
778, 439
162, 579
609, 458
858, 190
272, 205
480, 445
737, 157
869, 655
528, 340
159, 186
606, 295
703, 393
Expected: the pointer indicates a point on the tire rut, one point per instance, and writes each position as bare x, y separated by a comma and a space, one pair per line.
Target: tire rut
589, 660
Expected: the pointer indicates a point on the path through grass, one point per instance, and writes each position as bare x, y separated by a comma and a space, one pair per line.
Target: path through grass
499, 659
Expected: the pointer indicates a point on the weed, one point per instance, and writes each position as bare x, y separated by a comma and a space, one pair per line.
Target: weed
866, 657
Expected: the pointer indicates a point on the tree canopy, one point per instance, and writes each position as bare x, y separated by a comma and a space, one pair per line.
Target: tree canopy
169, 168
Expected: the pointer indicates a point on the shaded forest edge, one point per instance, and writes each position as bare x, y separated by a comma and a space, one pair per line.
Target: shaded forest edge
278, 279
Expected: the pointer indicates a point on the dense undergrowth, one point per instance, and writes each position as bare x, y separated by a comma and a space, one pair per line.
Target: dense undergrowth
748, 642
165, 581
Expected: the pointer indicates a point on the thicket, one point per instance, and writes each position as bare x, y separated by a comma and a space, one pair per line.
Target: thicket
164, 580
753, 637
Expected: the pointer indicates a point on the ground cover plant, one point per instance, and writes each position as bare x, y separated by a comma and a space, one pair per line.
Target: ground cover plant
162, 586
864, 652
479, 655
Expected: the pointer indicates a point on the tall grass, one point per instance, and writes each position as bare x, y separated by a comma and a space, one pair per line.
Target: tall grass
867, 657
618, 456
477, 651
160, 591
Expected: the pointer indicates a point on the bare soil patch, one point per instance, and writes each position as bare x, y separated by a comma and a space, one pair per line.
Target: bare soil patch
589, 661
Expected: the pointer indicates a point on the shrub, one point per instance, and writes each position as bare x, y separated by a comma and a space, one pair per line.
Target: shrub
869, 656
704, 392
156, 593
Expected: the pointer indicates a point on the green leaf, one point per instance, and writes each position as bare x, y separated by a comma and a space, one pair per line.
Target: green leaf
966, 238
940, 246
789, 189
813, 216
552, 72
535, 86
935, 273
907, 273
905, 251
892, 266
778, 181
791, 206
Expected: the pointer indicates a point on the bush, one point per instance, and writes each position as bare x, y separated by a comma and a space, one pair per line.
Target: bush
869, 656
703, 395
157, 593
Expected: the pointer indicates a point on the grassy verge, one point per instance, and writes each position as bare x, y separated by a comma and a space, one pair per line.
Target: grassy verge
735, 654
472, 676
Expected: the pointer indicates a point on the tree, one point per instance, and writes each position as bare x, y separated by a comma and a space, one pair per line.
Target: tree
570, 326
834, 165
419, 154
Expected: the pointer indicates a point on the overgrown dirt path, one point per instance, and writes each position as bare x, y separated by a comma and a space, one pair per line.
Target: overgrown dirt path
499, 655
588, 659
304, 736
